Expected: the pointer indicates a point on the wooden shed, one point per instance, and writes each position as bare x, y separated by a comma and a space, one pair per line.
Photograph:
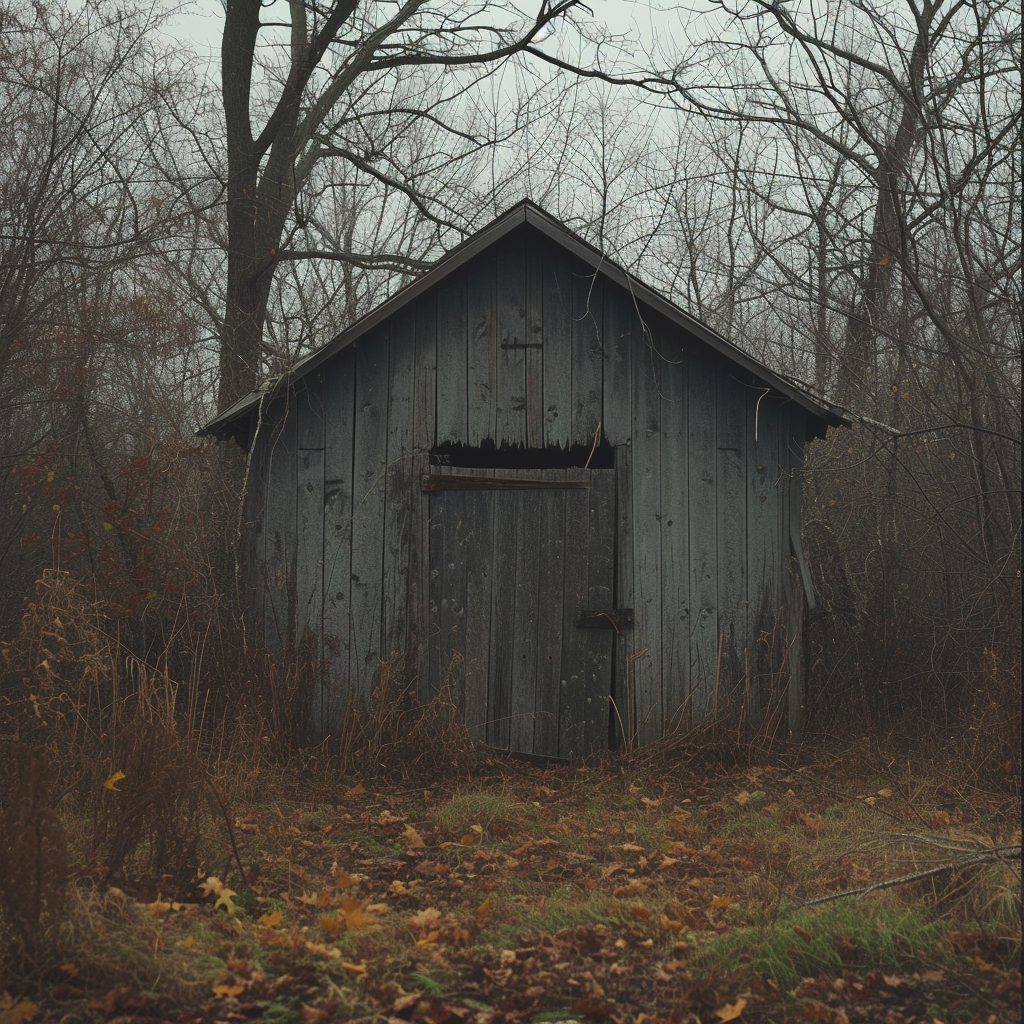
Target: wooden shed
532, 479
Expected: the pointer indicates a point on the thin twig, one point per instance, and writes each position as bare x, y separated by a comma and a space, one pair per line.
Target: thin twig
997, 853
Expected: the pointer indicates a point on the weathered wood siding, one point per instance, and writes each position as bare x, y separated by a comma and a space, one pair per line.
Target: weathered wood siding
526, 346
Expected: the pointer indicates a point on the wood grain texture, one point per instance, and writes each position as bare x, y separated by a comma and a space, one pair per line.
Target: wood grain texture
647, 671
452, 368
339, 443
731, 482
557, 299
369, 476
675, 539
510, 355
482, 361
703, 525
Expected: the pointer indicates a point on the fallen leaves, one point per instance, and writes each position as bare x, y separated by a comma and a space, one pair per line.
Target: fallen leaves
15, 1011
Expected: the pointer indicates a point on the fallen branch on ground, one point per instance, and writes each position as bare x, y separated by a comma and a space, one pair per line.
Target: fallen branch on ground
985, 856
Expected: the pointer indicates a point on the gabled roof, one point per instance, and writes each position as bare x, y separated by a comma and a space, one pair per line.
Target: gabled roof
525, 212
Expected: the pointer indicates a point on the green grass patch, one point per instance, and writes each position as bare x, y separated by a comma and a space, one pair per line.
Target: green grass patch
845, 937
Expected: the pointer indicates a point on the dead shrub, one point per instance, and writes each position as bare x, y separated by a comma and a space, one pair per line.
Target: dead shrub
33, 853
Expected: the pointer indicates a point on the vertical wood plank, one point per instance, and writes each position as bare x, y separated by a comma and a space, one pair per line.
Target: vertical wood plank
732, 533
600, 595
801, 592
549, 551
506, 563
587, 354
621, 325
535, 338
309, 486
703, 524
573, 685
557, 302
530, 546
369, 474
280, 528
339, 432
624, 712
675, 541
400, 485
483, 349
510, 309
647, 671
477, 548
423, 440
452, 355
764, 555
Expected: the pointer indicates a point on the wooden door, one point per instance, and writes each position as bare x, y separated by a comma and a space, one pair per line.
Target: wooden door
516, 559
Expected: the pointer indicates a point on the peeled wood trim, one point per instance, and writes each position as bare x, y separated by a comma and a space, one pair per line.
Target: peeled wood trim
436, 482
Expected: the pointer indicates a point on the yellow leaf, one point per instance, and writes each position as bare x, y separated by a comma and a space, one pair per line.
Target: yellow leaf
885, 792
484, 910
356, 918
14, 1011
158, 907
398, 888
211, 887
414, 841
188, 942
224, 900
227, 991
723, 901
731, 1010
271, 920
425, 918
356, 969
112, 782
742, 798
69, 969
343, 880
330, 924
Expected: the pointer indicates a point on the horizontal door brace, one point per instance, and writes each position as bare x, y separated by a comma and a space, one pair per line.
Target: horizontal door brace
436, 482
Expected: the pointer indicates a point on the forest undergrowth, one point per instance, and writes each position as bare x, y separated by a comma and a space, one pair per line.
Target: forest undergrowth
165, 859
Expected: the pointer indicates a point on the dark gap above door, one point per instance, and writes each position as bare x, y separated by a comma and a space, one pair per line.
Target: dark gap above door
489, 456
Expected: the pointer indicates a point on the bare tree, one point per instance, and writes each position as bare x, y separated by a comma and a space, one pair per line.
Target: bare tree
313, 88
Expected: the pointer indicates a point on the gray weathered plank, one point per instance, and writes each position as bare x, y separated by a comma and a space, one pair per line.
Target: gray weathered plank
557, 303
572, 740
535, 353
280, 528
765, 629
733, 398
701, 389
647, 672
549, 551
510, 357
483, 349
621, 325
401, 490
339, 433
600, 596
530, 543
309, 503
452, 353
675, 540
503, 605
369, 473
587, 354
624, 711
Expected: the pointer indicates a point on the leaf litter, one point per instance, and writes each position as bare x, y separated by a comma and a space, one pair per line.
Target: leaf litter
553, 894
